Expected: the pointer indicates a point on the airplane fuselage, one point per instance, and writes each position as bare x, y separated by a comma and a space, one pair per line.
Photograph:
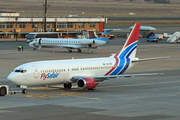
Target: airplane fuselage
61, 71
67, 43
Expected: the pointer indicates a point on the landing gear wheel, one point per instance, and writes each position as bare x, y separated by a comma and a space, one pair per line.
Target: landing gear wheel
69, 85
65, 85
2, 91
24, 91
69, 51
79, 50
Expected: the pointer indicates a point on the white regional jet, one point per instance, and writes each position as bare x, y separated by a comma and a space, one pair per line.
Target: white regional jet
72, 43
86, 73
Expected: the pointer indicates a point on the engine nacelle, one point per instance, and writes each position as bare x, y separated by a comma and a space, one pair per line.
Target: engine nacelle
86, 83
87, 41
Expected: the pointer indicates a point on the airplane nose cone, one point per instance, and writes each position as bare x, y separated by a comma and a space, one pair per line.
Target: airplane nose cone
31, 44
11, 77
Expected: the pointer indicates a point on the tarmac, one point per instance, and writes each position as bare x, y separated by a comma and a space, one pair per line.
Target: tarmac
135, 98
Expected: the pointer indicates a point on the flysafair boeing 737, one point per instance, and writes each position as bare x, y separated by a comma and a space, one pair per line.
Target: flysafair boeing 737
72, 43
86, 73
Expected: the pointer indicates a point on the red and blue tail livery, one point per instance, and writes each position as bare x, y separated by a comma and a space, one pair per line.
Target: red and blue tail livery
129, 48
128, 51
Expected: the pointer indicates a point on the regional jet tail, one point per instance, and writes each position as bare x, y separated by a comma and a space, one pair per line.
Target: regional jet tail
71, 44
86, 73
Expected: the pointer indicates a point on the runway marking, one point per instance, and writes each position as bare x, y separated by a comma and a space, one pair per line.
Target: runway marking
140, 84
69, 93
42, 88
39, 96
153, 103
89, 98
50, 88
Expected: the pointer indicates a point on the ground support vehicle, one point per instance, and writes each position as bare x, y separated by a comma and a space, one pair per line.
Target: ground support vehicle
152, 39
4, 89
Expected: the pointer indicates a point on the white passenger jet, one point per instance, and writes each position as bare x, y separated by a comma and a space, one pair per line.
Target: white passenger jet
86, 73
71, 44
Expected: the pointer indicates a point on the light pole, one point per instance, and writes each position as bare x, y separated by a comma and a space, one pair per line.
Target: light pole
16, 27
45, 16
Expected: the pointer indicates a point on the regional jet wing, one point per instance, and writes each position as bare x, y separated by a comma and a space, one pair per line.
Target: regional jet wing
70, 46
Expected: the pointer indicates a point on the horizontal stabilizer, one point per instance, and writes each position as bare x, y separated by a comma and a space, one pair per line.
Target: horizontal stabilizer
148, 59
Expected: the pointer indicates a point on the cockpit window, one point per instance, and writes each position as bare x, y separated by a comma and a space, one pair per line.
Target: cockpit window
17, 71
21, 71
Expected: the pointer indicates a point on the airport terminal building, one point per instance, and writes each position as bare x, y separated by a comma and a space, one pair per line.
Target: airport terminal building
12, 25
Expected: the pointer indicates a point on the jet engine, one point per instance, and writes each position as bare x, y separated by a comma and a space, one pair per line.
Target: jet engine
87, 41
89, 83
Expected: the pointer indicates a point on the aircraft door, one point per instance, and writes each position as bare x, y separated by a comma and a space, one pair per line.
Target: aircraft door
40, 41
36, 73
25, 75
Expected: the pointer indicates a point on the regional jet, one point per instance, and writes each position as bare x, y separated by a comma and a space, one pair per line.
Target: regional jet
86, 73
71, 44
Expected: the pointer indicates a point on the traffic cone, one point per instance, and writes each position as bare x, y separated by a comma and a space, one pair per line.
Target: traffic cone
53, 52
104, 50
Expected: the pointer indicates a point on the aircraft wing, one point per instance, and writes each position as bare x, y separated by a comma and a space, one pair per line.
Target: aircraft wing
70, 46
102, 78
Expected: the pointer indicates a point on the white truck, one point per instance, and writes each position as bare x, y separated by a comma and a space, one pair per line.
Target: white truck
166, 35
159, 36
4, 89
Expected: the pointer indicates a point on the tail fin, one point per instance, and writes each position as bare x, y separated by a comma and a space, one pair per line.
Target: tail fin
130, 46
105, 36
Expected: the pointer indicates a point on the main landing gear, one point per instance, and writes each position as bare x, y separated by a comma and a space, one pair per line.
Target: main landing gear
67, 85
69, 51
79, 50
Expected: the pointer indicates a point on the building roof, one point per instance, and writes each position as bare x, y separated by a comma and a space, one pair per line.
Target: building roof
69, 19
144, 28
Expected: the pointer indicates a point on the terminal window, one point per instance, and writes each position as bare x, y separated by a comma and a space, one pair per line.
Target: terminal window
35, 25
22, 25
9, 25
92, 25
2, 25
48, 25
70, 25
61, 25
81, 25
